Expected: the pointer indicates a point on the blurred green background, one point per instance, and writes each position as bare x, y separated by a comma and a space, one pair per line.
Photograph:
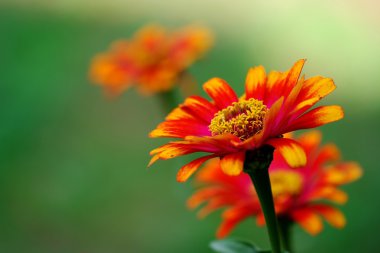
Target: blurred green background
73, 163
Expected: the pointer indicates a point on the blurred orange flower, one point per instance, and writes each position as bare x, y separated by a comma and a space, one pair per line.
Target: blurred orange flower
301, 195
152, 60
228, 126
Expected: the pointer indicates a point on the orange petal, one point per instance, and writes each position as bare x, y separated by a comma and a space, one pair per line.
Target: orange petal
212, 205
260, 219
308, 220
213, 144
186, 171
290, 150
301, 107
337, 196
295, 72
226, 227
332, 215
343, 173
169, 150
203, 195
313, 90
330, 193
232, 217
293, 95
179, 114
153, 160
180, 129
220, 92
232, 164
269, 120
310, 140
282, 84
255, 83
270, 117
199, 107
273, 87
318, 86
328, 153
289, 103
317, 117
274, 78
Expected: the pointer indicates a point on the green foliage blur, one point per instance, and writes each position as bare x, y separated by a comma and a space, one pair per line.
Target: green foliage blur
73, 163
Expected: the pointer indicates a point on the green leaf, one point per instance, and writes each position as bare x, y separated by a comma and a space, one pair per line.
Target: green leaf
235, 246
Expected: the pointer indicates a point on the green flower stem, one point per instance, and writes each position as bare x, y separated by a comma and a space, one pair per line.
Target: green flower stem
285, 225
169, 100
256, 166
187, 84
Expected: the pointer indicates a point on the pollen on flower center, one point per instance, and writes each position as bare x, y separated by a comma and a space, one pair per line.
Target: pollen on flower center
242, 119
285, 182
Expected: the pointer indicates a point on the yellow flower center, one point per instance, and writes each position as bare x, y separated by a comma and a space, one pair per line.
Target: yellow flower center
285, 182
242, 119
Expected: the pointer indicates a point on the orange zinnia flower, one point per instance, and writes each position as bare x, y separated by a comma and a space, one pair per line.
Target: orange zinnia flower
227, 127
300, 195
152, 60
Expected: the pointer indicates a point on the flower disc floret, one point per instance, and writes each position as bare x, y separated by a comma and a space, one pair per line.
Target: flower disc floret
242, 119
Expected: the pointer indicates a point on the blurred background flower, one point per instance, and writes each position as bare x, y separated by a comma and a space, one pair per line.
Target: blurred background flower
73, 164
153, 60
301, 195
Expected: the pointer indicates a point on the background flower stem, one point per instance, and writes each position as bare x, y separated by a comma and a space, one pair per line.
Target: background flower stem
285, 226
169, 100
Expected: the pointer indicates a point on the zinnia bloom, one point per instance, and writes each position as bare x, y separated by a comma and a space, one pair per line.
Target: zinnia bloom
152, 60
228, 126
301, 195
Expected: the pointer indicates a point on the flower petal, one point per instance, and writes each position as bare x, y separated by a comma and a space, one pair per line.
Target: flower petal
327, 154
310, 140
283, 119
308, 220
168, 151
274, 85
194, 108
186, 171
317, 117
232, 164
212, 205
290, 150
281, 84
214, 144
337, 196
220, 92
332, 215
199, 107
330, 193
294, 73
235, 215
313, 90
255, 83
270, 123
217, 144
180, 129
179, 114
203, 195
342, 173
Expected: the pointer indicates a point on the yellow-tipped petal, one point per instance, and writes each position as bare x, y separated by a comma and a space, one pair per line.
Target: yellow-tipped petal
232, 164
